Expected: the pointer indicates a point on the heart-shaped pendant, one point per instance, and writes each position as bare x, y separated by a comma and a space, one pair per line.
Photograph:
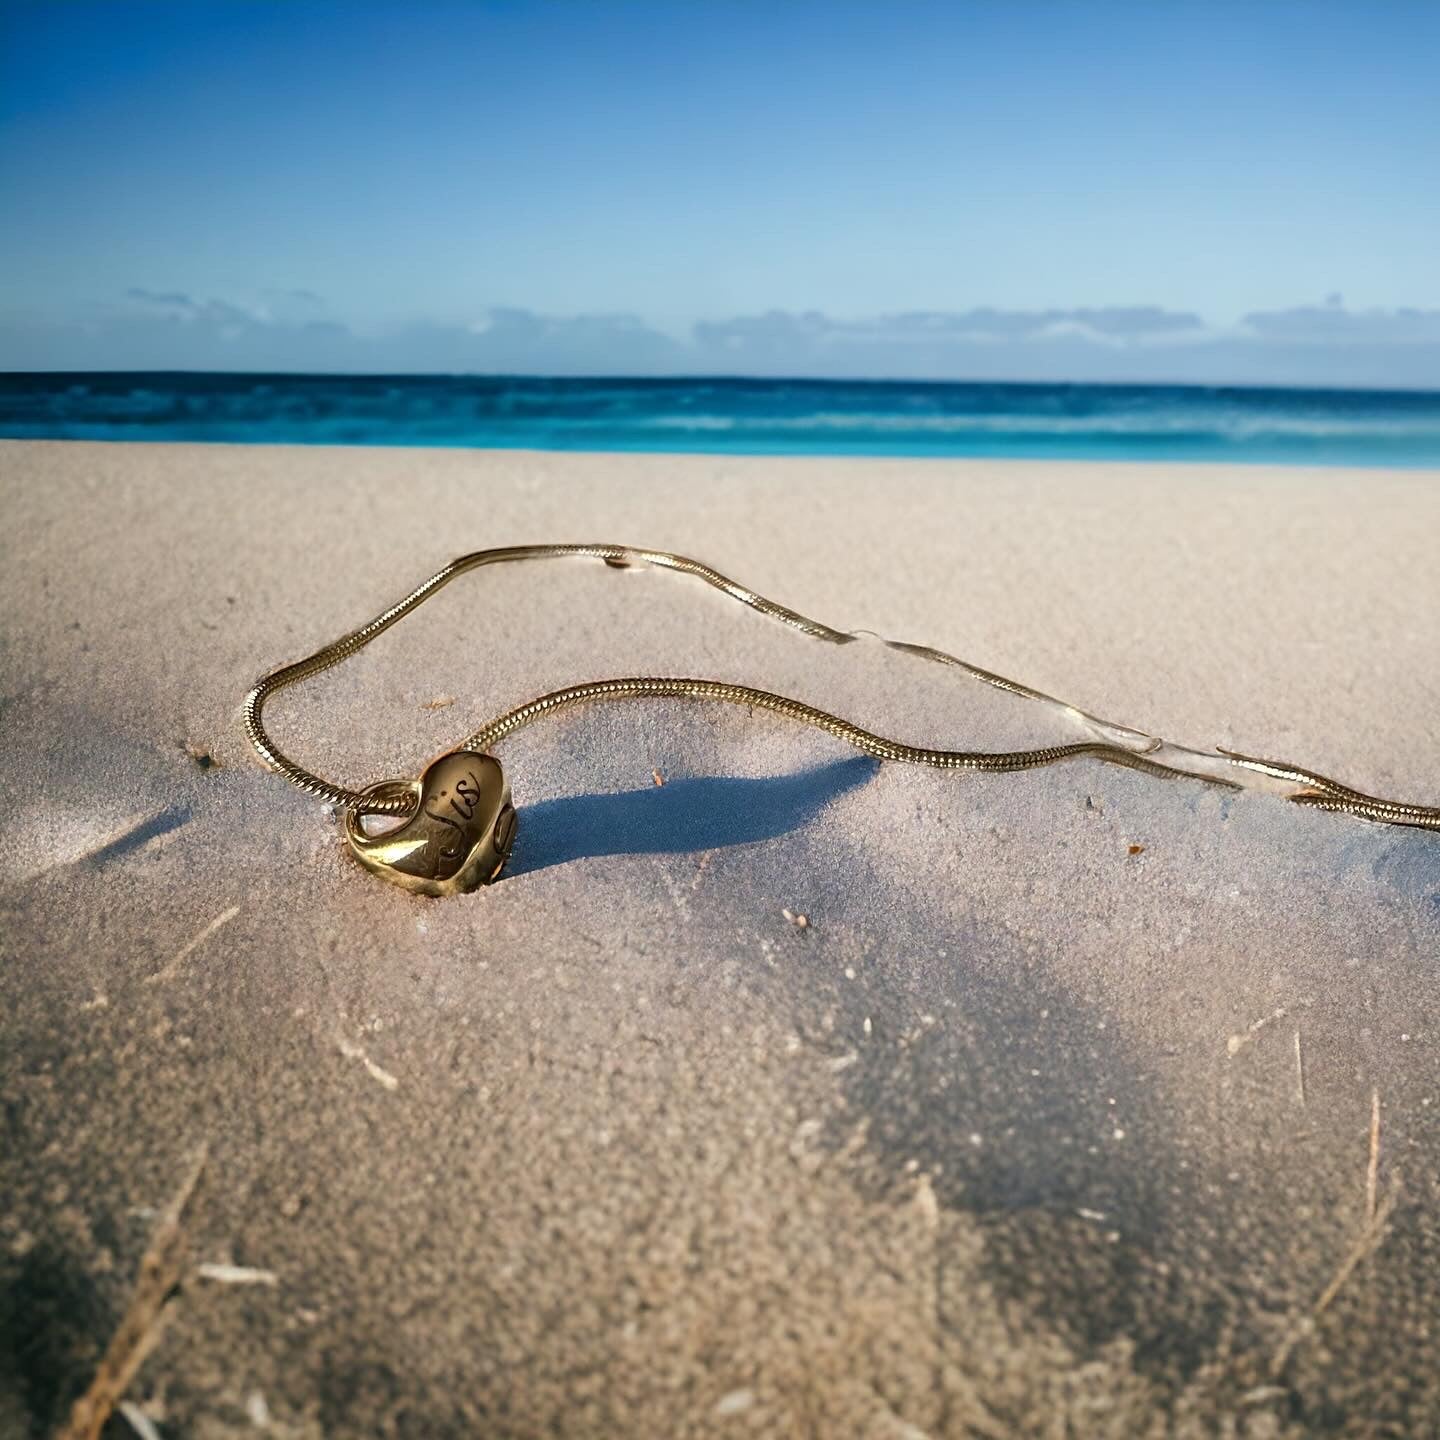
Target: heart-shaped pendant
459, 835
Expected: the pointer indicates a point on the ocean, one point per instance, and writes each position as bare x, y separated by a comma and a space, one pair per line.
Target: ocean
736, 416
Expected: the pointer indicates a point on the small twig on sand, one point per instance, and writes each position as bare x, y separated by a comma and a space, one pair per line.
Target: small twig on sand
143, 1322
139, 1421
236, 1275
1299, 1071
1366, 1243
172, 969
1372, 1174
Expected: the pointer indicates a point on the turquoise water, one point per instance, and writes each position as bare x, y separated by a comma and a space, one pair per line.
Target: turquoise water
731, 416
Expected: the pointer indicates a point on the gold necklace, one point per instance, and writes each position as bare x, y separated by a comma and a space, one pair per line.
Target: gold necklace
457, 823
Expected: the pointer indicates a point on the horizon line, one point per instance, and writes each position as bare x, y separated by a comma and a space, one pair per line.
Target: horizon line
701, 377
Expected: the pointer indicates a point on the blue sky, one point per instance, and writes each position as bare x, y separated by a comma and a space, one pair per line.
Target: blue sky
1169, 190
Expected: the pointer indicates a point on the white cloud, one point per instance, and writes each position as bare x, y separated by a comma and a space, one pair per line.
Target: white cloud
294, 331
1333, 324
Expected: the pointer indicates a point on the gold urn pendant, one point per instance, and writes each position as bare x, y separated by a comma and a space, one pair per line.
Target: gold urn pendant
457, 838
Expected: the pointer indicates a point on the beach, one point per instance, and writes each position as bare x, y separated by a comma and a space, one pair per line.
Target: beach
1081, 1102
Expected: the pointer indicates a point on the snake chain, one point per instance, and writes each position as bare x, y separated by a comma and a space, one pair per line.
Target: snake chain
1312, 789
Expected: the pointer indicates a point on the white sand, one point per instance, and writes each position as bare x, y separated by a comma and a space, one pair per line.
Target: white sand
1020, 1125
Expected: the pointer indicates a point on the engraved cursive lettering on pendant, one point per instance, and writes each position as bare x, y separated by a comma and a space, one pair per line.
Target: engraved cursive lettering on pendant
459, 835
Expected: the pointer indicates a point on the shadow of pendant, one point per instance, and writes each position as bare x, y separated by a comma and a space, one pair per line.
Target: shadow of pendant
682, 816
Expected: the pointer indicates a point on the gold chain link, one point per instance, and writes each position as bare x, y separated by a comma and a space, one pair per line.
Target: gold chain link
1314, 790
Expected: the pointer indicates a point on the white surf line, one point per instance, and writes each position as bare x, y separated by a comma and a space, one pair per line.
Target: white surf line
173, 968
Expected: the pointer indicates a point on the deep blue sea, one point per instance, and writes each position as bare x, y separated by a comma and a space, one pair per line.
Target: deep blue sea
734, 416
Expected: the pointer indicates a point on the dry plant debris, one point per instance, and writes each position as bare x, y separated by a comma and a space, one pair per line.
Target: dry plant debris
162, 1267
